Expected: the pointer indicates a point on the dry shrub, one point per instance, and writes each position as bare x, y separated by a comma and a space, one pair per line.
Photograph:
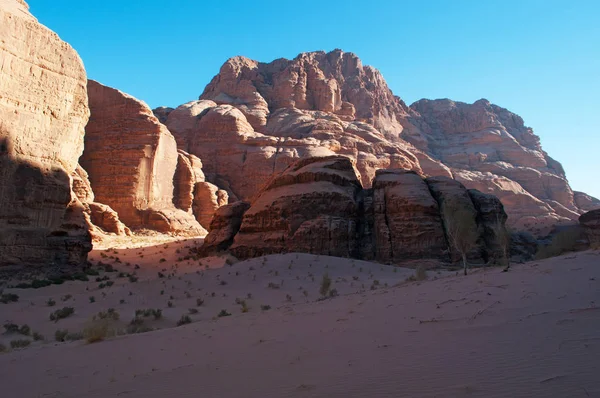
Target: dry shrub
563, 241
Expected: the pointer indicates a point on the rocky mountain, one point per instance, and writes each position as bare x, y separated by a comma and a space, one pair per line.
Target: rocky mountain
255, 119
315, 153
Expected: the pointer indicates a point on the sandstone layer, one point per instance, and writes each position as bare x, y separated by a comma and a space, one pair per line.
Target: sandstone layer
318, 206
255, 119
131, 159
43, 111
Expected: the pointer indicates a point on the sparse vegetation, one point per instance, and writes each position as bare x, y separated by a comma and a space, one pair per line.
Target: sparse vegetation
184, 320
461, 229
561, 242
155, 313
223, 313
97, 330
265, 307
325, 285
8, 298
60, 335
20, 343
37, 336
272, 285
62, 313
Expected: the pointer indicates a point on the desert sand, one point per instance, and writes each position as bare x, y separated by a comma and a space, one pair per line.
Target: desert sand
531, 332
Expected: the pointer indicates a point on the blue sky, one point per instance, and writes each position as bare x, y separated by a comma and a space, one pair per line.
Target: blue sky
538, 58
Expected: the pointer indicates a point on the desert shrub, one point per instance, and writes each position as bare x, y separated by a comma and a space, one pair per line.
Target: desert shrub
461, 229
62, 313
75, 336
11, 328
137, 325
192, 311
25, 330
2, 348
563, 241
51, 302
8, 298
223, 313
109, 314
133, 278
98, 330
60, 335
37, 336
92, 299
150, 312
420, 273
265, 307
272, 285
325, 285
333, 293
184, 320
20, 343
199, 302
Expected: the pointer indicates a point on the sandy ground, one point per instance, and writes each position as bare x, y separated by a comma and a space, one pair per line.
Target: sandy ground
531, 332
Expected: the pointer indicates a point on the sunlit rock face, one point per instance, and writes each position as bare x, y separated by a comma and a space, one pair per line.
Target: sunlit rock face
318, 206
43, 112
255, 119
131, 159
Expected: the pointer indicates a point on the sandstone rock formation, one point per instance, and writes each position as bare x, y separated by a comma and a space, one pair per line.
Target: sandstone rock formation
310, 208
43, 111
318, 206
407, 220
490, 149
224, 225
255, 119
586, 202
131, 159
590, 222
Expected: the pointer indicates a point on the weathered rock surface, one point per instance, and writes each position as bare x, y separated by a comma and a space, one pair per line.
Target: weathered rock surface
255, 119
224, 225
490, 149
586, 202
131, 159
310, 208
318, 206
590, 222
107, 219
407, 218
43, 111
207, 199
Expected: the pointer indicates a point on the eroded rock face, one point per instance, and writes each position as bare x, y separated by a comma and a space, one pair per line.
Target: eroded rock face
490, 149
255, 119
310, 208
407, 218
224, 225
318, 206
43, 111
590, 222
586, 202
131, 159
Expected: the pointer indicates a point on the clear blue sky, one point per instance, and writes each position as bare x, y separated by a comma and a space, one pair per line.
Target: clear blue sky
538, 58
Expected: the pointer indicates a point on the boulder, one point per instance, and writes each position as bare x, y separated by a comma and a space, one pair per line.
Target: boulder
224, 225
43, 111
107, 219
207, 199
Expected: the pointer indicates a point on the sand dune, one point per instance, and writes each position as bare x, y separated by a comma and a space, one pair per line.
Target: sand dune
531, 332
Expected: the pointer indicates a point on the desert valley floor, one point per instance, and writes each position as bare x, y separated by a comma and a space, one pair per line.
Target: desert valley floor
533, 331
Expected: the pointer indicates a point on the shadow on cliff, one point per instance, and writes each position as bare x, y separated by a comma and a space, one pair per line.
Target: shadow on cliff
40, 224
